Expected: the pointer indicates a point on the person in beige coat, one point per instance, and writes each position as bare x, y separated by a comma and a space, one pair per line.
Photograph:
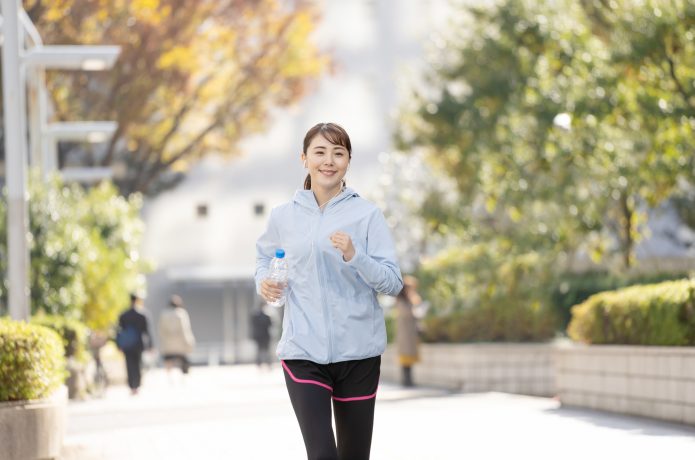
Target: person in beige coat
406, 328
176, 340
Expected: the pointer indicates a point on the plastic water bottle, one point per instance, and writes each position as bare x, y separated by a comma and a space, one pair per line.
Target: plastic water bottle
279, 272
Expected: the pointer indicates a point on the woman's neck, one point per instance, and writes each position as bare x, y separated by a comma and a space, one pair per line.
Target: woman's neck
323, 196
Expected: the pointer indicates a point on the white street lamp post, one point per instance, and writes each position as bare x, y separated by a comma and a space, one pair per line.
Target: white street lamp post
43, 135
89, 131
16, 166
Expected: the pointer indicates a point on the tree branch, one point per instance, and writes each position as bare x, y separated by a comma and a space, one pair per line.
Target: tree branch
218, 121
679, 85
178, 118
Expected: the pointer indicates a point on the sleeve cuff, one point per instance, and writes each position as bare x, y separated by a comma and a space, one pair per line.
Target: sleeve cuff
357, 260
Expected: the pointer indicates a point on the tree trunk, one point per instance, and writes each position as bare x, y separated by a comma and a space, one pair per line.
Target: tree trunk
628, 243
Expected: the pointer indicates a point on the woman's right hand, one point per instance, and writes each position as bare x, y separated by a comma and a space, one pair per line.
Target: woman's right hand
271, 290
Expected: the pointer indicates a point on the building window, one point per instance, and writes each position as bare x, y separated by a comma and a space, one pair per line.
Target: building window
201, 210
258, 209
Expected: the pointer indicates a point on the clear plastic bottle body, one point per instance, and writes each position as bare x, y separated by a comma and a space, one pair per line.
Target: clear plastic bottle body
279, 272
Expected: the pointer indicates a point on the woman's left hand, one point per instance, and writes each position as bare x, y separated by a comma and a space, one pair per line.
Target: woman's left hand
343, 242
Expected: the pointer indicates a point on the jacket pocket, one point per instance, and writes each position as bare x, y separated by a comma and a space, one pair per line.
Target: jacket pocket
354, 325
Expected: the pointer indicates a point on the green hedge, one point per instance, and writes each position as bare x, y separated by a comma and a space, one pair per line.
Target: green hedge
491, 323
73, 332
574, 288
657, 314
32, 365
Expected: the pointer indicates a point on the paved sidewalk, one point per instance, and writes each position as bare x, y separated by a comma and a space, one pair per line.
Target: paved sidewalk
237, 412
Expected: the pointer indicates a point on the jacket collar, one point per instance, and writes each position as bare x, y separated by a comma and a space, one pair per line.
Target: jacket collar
306, 198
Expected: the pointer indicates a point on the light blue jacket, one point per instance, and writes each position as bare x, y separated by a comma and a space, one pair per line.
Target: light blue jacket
331, 313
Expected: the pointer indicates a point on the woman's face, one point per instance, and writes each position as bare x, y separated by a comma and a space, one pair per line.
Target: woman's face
327, 163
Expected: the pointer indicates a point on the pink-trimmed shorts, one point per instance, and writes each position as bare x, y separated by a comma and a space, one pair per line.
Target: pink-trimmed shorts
347, 380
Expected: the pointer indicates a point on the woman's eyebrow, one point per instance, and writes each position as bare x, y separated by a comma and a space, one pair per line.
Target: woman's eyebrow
335, 147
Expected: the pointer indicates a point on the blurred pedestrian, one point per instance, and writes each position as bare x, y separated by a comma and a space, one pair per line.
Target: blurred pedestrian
133, 338
100, 381
260, 330
341, 255
176, 339
407, 328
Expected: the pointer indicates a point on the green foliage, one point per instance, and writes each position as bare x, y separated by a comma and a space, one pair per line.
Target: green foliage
73, 333
57, 238
572, 289
492, 323
557, 127
390, 321
32, 365
484, 292
657, 314
84, 251
684, 203
560, 123
112, 266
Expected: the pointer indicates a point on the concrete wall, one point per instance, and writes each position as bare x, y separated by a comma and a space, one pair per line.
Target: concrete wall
656, 382
512, 368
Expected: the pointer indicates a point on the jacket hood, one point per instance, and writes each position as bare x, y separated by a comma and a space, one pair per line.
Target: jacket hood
307, 199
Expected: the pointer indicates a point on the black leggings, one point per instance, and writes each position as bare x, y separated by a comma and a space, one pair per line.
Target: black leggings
351, 386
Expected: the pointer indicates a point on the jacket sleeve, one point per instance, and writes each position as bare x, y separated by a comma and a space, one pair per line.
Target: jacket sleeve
266, 245
378, 265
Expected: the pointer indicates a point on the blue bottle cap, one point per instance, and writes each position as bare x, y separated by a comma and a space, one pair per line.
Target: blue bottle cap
280, 253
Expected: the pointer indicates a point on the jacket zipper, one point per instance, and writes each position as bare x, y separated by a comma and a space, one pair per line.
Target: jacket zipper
328, 313
326, 310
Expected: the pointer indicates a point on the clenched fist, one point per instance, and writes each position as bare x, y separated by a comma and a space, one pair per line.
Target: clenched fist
343, 242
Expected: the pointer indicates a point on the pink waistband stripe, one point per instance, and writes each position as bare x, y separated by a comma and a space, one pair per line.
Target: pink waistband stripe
312, 382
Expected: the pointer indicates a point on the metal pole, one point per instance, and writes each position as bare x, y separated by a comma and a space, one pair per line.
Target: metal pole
35, 153
49, 151
15, 157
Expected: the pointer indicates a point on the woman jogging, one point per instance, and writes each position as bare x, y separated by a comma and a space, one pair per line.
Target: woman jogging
341, 255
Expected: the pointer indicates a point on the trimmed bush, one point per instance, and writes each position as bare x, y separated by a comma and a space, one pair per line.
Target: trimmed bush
73, 332
491, 323
656, 314
32, 365
574, 288
485, 292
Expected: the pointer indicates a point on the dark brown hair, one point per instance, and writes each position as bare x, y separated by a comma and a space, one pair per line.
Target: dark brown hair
335, 134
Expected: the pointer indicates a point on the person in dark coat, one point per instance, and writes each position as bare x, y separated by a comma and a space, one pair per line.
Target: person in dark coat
134, 321
260, 330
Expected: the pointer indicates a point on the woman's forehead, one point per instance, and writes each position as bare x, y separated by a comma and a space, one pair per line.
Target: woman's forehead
320, 141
